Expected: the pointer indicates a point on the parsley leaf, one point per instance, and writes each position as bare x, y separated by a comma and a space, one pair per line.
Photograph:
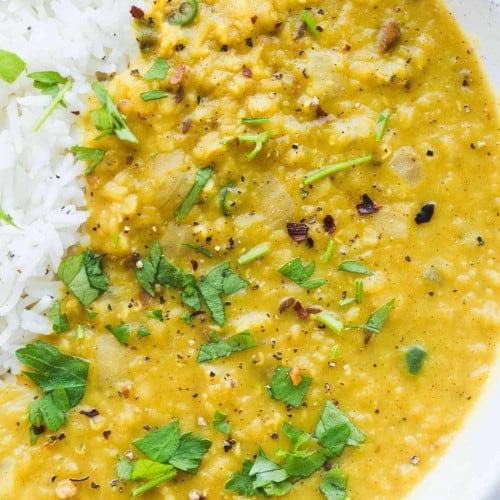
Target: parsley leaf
334, 485
415, 357
83, 276
219, 348
63, 379
220, 280
220, 422
200, 180
115, 121
60, 323
242, 482
352, 266
11, 66
334, 430
283, 389
120, 332
300, 273
93, 155
158, 70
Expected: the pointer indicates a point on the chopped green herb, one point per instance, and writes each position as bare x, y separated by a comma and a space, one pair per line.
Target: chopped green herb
83, 276
219, 348
153, 95
330, 321
255, 121
377, 319
358, 291
300, 274
219, 280
346, 302
223, 199
11, 66
258, 139
331, 169
116, 240
57, 98
185, 15
242, 482
254, 253
328, 252
269, 476
352, 266
308, 20
60, 323
120, 332
80, 332
415, 357
156, 314
158, 70
92, 314
220, 422
334, 353
116, 123
283, 389
199, 249
93, 155
48, 82
334, 430
381, 125
334, 485
6, 217
63, 379
142, 331
200, 181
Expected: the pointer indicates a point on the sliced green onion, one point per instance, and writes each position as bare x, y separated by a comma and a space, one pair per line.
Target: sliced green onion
330, 321
255, 121
381, 125
185, 15
258, 139
309, 21
53, 105
358, 291
328, 252
331, 169
254, 253
153, 95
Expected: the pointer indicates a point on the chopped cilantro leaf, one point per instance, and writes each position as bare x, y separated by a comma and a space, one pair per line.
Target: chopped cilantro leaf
219, 348
415, 357
189, 453
358, 292
6, 217
352, 266
269, 476
80, 332
60, 323
199, 249
93, 155
118, 126
283, 389
201, 178
334, 485
158, 70
146, 469
220, 422
120, 332
258, 139
156, 314
142, 331
223, 199
153, 95
377, 320
300, 273
11, 66
242, 482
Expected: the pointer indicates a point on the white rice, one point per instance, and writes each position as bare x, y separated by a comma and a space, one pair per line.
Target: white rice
41, 185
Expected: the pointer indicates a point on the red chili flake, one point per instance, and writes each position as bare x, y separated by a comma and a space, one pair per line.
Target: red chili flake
300, 310
91, 413
367, 206
179, 95
136, 12
254, 19
329, 224
295, 375
297, 231
286, 303
194, 264
320, 112
246, 72
178, 75
425, 214
106, 434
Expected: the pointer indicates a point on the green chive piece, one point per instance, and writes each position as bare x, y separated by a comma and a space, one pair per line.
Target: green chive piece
328, 252
331, 169
330, 321
309, 21
358, 290
255, 121
258, 139
254, 253
381, 125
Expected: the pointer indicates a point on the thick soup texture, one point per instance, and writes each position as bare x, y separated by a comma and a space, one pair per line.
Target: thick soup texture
396, 322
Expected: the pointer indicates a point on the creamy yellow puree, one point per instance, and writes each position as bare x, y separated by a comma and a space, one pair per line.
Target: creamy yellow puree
323, 97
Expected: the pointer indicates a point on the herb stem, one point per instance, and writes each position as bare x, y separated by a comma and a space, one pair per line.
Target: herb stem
328, 252
254, 253
331, 169
330, 321
57, 99
152, 484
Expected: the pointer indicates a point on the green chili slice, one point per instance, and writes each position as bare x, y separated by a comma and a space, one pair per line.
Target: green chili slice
185, 14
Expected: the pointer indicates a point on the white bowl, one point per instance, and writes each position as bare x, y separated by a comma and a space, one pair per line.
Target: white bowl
470, 470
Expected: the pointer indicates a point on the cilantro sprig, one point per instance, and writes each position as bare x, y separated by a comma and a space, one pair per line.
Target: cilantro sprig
92, 155
300, 273
283, 388
219, 348
63, 379
60, 323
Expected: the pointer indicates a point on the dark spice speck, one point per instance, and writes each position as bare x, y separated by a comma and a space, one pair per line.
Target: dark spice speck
425, 214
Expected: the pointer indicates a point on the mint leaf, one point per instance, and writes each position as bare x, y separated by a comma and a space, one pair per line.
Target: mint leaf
415, 357
11, 66
60, 323
220, 422
201, 178
300, 273
120, 332
334, 485
353, 266
219, 348
282, 387
158, 70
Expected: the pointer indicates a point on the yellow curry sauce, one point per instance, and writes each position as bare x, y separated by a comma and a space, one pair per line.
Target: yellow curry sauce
323, 96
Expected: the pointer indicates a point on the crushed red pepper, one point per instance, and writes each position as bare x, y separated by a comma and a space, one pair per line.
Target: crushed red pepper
298, 231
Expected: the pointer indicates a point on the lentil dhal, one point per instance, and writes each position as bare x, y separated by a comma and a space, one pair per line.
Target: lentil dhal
230, 116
